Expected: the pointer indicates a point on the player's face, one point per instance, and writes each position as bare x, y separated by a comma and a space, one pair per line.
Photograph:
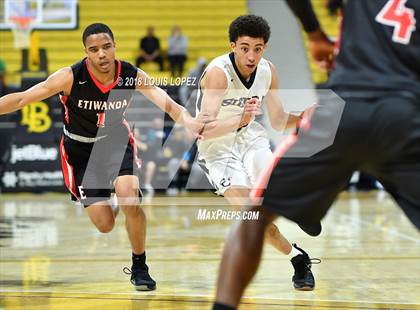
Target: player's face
100, 50
248, 52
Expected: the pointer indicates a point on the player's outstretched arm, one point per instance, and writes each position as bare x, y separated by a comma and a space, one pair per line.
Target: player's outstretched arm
214, 85
279, 119
160, 98
61, 80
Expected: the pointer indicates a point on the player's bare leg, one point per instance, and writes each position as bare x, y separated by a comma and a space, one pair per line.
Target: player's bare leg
303, 278
101, 215
237, 197
241, 257
127, 190
276, 239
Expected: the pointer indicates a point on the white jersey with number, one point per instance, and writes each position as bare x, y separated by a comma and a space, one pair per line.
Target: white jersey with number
231, 159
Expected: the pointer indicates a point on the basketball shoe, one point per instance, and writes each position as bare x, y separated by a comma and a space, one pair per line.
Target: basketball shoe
140, 278
303, 279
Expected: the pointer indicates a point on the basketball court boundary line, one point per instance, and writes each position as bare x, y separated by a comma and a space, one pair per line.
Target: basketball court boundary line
149, 296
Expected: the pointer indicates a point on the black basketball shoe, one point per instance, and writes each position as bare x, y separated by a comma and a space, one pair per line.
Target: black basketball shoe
140, 278
303, 278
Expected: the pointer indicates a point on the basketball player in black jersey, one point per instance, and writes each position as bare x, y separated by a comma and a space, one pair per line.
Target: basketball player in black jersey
377, 73
95, 93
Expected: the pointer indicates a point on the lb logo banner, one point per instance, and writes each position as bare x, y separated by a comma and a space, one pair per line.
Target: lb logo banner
36, 117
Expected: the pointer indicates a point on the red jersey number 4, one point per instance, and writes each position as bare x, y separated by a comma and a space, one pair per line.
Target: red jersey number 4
396, 14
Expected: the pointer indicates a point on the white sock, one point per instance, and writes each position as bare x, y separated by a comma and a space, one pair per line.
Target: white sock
294, 252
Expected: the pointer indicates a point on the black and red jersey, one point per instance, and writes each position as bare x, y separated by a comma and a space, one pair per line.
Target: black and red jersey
91, 106
379, 47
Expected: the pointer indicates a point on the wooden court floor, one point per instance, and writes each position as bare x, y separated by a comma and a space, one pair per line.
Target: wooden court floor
51, 257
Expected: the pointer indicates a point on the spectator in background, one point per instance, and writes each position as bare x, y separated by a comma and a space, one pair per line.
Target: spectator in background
148, 166
157, 133
153, 154
5, 88
2, 77
177, 51
181, 167
150, 49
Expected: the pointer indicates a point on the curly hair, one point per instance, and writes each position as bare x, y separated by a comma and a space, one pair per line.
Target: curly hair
249, 25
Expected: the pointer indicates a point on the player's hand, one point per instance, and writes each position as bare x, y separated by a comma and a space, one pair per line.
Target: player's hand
322, 49
196, 124
252, 108
253, 105
306, 116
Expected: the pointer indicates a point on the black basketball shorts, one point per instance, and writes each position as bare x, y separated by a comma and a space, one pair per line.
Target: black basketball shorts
90, 169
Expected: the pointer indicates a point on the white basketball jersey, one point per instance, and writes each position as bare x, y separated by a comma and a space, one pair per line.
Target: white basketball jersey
238, 92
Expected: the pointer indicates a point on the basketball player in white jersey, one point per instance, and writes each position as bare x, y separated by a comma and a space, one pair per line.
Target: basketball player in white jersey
234, 149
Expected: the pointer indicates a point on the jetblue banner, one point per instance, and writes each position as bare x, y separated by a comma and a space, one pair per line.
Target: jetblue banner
32, 168
30, 159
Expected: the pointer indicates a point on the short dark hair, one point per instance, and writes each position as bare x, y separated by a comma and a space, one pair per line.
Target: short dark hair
249, 25
96, 28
